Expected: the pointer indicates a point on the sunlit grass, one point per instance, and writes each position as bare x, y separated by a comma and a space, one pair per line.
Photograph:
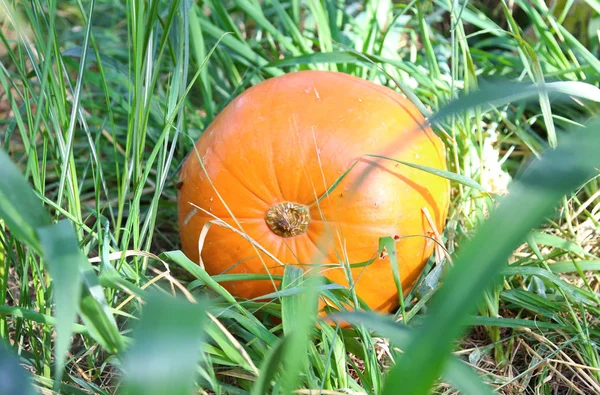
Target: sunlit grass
102, 100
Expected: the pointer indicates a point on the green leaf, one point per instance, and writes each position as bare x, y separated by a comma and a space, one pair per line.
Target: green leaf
574, 43
34, 316
499, 94
455, 372
566, 267
269, 367
558, 242
239, 47
388, 245
464, 379
179, 258
63, 258
251, 322
21, 209
300, 311
97, 315
14, 380
510, 322
67, 266
569, 289
481, 259
167, 345
291, 304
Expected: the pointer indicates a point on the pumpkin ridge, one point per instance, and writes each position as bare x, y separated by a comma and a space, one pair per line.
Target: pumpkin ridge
389, 94
240, 179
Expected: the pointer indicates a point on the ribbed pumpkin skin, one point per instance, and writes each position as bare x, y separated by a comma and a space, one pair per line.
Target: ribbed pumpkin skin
288, 139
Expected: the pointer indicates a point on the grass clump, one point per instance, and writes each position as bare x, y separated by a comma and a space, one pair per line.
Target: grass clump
101, 101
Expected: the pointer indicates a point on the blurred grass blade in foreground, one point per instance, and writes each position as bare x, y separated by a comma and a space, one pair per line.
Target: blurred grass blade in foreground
495, 95
58, 245
531, 198
14, 380
168, 342
456, 372
21, 209
64, 258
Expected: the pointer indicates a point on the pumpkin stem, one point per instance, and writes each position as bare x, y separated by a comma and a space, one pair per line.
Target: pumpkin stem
288, 219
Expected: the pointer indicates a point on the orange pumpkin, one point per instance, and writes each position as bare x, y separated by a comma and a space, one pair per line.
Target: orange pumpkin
277, 148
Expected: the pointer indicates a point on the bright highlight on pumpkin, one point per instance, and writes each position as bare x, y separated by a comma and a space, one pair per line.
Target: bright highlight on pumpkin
276, 148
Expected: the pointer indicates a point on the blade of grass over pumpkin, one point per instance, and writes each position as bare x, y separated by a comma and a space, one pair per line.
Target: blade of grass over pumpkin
63, 257
300, 311
388, 245
442, 173
14, 379
438, 172
336, 182
223, 278
168, 339
298, 290
455, 371
482, 258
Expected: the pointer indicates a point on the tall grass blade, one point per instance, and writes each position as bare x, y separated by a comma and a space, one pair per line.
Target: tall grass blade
58, 244
168, 341
21, 209
459, 178
301, 316
480, 261
96, 313
14, 380
508, 92
455, 372
269, 367
63, 258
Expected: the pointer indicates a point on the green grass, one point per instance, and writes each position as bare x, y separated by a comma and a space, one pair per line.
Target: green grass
102, 100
